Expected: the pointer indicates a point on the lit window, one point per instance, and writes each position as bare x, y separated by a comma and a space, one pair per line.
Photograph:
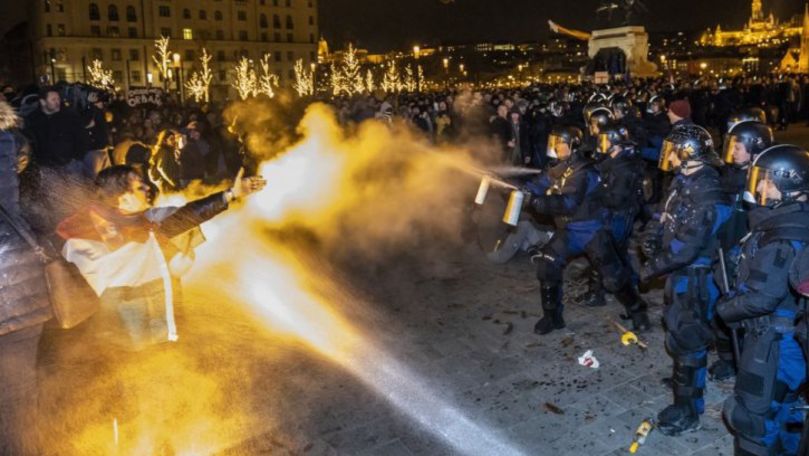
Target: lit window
188, 34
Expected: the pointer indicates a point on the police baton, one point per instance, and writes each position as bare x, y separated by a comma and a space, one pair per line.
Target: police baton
734, 334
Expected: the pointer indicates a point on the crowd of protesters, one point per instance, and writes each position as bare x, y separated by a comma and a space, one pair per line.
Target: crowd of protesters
61, 150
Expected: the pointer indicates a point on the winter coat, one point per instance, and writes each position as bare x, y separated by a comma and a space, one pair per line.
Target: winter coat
23, 292
57, 138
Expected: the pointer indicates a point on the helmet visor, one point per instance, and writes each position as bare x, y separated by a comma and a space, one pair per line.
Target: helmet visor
553, 142
731, 144
759, 181
668, 150
604, 144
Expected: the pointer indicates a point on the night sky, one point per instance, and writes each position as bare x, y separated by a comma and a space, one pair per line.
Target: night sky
380, 25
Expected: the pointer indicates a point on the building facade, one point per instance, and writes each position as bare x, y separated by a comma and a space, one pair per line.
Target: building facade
67, 35
761, 30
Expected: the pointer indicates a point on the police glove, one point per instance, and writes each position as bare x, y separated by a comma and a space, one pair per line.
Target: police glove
723, 308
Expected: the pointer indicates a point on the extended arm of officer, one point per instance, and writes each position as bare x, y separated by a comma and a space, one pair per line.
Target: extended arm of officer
691, 237
569, 199
765, 286
537, 186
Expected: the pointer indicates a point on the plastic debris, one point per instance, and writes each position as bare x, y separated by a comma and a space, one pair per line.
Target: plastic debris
588, 360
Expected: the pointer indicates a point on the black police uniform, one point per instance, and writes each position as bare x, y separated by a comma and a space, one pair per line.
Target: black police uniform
692, 215
772, 366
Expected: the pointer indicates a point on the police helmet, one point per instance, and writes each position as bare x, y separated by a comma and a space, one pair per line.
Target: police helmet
598, 118
690, 143
564, 134
612, 134
746, 115
752, 135
784, 166
656, 104
621, 105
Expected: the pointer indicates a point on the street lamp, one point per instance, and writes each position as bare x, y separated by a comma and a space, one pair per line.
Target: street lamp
149, 78
416, 52
446, 64
178, 63
53, 70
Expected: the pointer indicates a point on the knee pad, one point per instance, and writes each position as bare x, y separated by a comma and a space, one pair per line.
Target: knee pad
614, 282
688, 332
743, 422
549, 267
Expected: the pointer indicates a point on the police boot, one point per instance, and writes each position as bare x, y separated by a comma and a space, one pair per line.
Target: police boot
683, 415
595, 296
551, 310
635, 307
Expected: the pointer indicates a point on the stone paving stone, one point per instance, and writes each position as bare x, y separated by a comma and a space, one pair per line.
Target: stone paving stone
395, 448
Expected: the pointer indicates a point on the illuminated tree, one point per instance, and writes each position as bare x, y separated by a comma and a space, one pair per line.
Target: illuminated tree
267, 79
200, 82
196, 87
420, 79
99, 77
390, 79
163, 57
304, 81
351, 72
245, 80
409, 81
337, 84
369, 81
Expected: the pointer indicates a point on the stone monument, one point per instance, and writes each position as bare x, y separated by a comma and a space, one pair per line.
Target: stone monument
632, 40
622, 34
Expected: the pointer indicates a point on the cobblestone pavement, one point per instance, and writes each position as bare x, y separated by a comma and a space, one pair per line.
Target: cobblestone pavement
467, 329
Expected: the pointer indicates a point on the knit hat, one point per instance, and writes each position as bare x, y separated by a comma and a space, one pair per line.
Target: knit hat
681, 108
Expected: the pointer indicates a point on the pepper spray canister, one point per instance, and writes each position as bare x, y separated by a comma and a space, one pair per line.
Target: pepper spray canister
483, 190
514, 208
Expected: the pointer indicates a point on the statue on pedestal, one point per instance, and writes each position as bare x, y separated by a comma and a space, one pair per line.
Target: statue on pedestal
620, 13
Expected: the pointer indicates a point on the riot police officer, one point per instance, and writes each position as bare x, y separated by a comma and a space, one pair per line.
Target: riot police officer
682, 244
625, 112
772, 366
621, 195
743, 143
563, 193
